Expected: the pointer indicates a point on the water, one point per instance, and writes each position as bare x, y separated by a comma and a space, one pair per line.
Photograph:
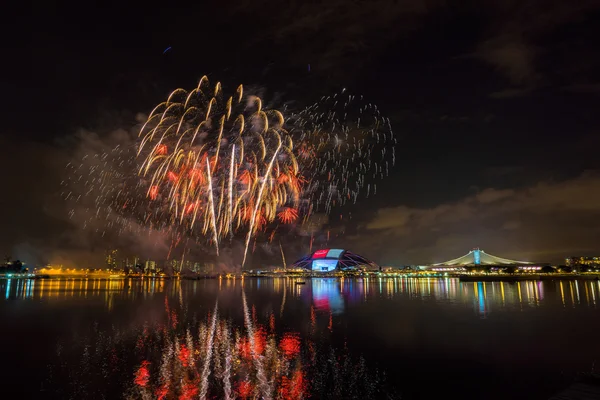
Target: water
271, 338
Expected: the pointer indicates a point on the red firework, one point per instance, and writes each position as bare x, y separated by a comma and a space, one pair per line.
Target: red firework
244, 348
189, 391
288, 215
172, 176
260, 221
161, 150
290, 345
153, 192
197, 176
190, 207
245, 177
162, 392
244, 389
260, 341
293, 388
184, 356
142, 376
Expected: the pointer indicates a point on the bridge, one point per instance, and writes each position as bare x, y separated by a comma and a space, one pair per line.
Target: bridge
477, 257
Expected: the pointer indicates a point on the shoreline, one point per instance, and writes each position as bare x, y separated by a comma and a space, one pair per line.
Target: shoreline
527, 277
461, 278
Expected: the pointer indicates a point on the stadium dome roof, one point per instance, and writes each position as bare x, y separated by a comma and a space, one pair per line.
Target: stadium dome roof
480, 257
328, 260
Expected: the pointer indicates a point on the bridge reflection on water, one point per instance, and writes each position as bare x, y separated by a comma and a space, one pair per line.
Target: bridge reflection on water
329, 294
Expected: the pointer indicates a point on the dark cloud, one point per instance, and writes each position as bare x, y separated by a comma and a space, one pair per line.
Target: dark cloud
510, 93
520, 42
512, 57
584, 88
547, 221
511, 225
330, 33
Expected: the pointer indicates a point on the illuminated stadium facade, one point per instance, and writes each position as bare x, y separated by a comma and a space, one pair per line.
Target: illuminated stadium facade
332, 260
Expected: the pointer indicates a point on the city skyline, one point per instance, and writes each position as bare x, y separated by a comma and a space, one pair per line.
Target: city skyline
125, 263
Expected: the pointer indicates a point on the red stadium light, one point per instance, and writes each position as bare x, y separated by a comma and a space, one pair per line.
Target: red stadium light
320, 253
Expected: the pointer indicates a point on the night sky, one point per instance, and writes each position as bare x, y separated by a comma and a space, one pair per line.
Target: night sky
495, 105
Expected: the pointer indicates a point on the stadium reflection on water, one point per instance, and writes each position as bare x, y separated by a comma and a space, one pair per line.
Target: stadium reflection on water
272, 338
327, 293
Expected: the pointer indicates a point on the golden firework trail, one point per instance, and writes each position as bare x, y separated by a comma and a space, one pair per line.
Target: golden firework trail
230, 191
183, 148
282, 256
260, 196
212, 208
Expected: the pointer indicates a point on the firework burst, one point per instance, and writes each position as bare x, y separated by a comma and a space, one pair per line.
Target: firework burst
223, 164
347, 145
215, 167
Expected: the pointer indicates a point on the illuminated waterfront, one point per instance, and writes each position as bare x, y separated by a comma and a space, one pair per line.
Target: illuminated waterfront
132, 337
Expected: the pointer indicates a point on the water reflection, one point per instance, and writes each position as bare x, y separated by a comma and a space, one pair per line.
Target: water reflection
66, 288
328, 294
274, 338
186, 356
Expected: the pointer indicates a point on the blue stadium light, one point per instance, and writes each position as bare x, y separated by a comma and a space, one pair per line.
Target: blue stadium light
324, 265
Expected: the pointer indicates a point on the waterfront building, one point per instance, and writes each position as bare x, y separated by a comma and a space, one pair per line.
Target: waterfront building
202, 268
209, 268
196, 267
111, 259
150, 267
183, 266
580, 261
174, 264
12, 267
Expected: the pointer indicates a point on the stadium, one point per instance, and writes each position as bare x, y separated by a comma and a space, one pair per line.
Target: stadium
334, 260
477, 258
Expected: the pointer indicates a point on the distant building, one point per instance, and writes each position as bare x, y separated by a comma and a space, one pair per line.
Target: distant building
12, 267
191, 266
175, 265
209, 268
404, 268
111, 258
150, 267
574, 261
196, 267
577, 262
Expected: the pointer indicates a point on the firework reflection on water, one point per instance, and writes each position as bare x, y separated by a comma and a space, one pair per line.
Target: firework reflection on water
212, 357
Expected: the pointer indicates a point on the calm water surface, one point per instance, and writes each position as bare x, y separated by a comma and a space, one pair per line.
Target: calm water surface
271, 338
